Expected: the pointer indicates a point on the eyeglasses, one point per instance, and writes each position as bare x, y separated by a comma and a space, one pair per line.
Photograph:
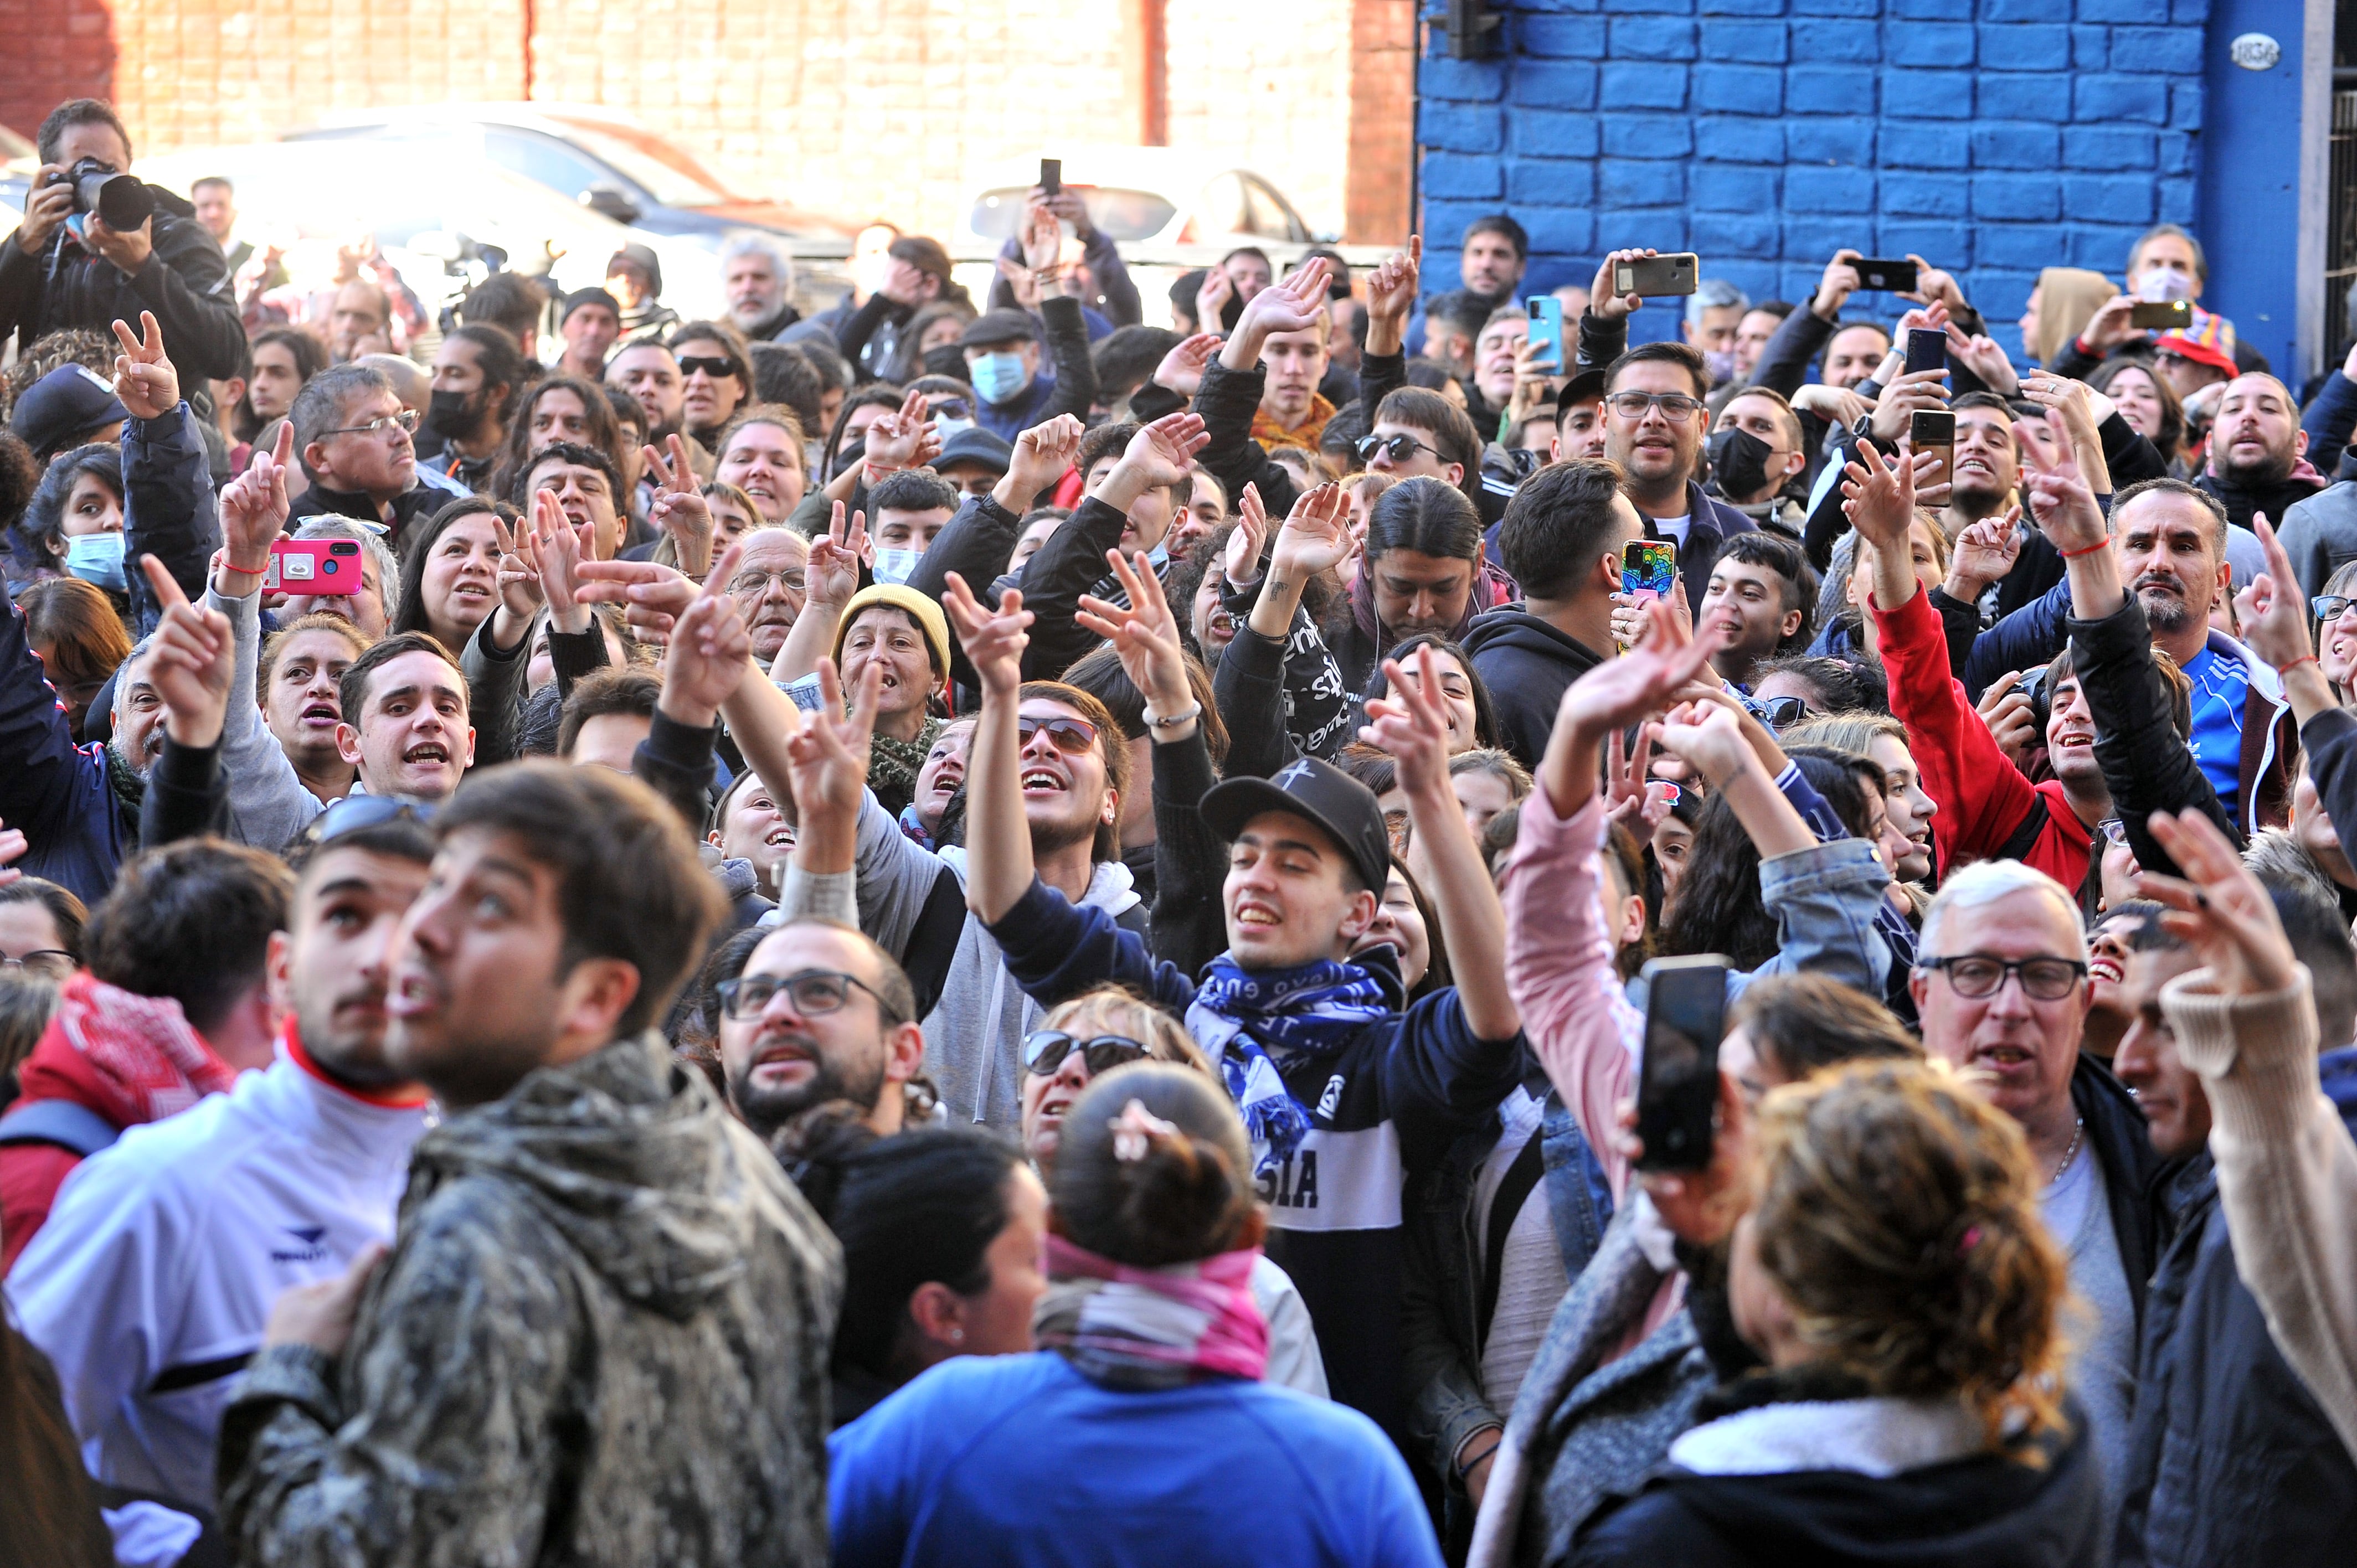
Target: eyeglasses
405, 421
56, 963
1072, 737
1976, 975
815, 993
1676, 407
2115, 830
1044, 1051
1777, 712
716, 367
1401, 447
2331, 607
356, 813
753, 582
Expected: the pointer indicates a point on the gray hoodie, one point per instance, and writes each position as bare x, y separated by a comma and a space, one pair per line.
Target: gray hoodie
973, 1036
602, 1337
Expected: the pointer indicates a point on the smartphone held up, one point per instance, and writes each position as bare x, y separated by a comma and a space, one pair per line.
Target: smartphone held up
1677, 1076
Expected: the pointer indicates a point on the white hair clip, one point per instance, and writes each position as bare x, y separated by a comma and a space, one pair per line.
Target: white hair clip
1134, 1130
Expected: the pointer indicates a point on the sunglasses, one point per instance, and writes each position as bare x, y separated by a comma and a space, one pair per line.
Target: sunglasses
1401, 447
355, 813
1044, 1051
1072, 737
2328, 606
714, 366
1777, 712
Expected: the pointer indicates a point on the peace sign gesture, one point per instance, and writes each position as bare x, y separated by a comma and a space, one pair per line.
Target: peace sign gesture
993, 642
1409, 725
556, 552
1145, 636
831, 574
144, 379
679, 508
826, 755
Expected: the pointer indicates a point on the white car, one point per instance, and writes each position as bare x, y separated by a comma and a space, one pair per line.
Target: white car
1161, 206
430, 219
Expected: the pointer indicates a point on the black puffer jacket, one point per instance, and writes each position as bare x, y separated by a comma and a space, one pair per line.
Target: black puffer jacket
2232, 1463
185, 282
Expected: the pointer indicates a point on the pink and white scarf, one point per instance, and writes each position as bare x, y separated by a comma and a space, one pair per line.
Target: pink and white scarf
1152, 1328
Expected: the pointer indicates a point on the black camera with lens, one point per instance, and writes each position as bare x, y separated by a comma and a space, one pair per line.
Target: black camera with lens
122, 200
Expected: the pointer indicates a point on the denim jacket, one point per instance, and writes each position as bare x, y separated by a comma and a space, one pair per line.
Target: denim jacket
1441, 1334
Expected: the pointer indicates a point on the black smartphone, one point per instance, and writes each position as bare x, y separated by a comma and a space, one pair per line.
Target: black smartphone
1933, 430
1927, 348
1677, 1080
1650, 276
1052, 175
2162, 315
1885, 277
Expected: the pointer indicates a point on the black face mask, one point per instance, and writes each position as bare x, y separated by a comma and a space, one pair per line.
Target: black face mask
949, 360
1739, 460
453, 414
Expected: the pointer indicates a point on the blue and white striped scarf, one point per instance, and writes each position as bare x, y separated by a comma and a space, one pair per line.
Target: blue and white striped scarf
1311, 1010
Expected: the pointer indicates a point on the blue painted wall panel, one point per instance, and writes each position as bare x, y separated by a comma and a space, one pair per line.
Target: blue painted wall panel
1993, 136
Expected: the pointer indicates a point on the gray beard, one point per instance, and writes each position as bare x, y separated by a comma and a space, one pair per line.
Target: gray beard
2164, 611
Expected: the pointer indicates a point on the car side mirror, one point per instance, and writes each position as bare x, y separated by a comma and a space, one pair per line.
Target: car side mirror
607, 201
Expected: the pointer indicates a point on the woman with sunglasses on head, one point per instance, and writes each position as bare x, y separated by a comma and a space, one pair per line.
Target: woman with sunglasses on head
1090, 1036
1144, 1431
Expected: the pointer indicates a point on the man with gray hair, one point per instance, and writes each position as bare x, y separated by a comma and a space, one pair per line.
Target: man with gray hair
759, 277
352, 438
2000, 983
1714, 311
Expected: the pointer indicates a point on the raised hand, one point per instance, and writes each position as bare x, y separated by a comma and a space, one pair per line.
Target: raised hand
898, 441
1701, 1208
144, 379
1043, 238
1985, 357
2272, 610
2065, 510
1145, 636
679, 508
253, 510
1910, 392
1242, 562
1620, 692
1839, 282
709, 651
1212, 298
2219, 907
1392, 287
13, 847
2112, 325
1408, 723
1316, 536
993, 642
1163, 453
1880, 499
2011, 718
1630, 797
1295, 305
519, 576
1985, 552
828, 752
557, 551
1934, 286
653, 597
1709, 737
192, 664
1041, 455
1181, 370
1835, 405
1603, 303
833, 575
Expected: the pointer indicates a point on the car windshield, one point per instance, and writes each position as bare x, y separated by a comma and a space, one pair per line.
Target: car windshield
669, 175
1120, 214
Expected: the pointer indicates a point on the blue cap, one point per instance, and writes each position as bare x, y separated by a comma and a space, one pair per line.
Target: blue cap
63, 408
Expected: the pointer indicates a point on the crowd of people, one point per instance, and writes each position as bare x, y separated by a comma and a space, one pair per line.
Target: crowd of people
952, 931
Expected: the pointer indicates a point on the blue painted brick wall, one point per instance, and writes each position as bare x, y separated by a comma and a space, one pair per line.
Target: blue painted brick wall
1992, 136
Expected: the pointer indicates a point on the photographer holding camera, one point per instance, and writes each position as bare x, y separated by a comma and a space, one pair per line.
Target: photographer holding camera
97, 246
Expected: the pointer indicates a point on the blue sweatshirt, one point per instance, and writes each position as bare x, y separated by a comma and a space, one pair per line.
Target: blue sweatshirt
1021, 1461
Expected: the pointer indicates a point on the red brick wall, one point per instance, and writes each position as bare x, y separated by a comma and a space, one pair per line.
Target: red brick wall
878, 108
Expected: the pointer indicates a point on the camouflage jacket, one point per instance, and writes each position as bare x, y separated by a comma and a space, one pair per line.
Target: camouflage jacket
602, 1337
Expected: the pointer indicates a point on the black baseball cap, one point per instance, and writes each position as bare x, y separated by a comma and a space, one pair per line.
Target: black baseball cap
581, 296
975, 446
1585, 387
63, 408
1307, 787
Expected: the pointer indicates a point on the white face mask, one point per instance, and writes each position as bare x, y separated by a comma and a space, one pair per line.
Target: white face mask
895, 566
2157, 283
